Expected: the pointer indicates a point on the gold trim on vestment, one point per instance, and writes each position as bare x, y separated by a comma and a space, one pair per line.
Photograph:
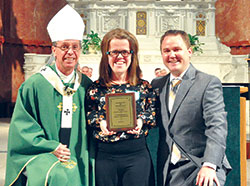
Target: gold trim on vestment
47, 175
22, 169
74, 107
60, 107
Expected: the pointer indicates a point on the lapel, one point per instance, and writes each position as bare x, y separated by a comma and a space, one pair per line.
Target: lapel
187, 81
166, 88
161, 86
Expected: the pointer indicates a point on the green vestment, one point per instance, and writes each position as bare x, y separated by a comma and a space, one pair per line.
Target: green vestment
34, 135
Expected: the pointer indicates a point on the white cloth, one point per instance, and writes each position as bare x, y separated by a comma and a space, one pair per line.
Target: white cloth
66, 79
66, 24
66, 92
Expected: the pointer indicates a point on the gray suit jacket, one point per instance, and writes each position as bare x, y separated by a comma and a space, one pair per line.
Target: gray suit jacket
197, 123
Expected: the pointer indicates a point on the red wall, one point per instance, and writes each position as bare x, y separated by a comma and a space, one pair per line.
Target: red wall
22, 30
232, 24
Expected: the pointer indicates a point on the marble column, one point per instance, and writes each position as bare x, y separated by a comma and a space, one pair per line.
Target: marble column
232, 25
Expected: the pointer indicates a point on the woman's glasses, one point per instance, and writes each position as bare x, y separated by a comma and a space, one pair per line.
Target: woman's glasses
116, 53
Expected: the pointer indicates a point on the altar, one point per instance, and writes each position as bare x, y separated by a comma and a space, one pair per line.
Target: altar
149, 19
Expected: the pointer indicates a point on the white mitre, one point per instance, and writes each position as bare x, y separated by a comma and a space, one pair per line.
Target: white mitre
66, 24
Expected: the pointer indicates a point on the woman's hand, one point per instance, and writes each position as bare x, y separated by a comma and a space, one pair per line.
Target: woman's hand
62, 153
105, 131
137, 129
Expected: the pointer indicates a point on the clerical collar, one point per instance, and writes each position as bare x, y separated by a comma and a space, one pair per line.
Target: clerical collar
64, 78
180, 76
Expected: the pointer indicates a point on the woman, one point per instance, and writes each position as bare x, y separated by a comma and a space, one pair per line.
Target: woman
122, 157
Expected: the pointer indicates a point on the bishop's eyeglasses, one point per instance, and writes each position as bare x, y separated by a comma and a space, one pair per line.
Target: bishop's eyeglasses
124, 53
66, 48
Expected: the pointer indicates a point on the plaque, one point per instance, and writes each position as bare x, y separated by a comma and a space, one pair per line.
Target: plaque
120, 111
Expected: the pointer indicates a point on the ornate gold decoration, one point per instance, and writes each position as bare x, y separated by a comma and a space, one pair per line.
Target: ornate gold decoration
70, 164
60, 107
69, 91
200, 28
200, 24
74, 107
141, 23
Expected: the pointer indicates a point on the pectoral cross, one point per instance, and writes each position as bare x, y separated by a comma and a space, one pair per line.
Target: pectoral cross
67, 111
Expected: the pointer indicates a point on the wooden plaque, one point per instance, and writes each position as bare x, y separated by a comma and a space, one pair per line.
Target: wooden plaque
120, 111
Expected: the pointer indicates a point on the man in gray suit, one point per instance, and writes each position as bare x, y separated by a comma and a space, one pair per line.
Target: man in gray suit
192, 123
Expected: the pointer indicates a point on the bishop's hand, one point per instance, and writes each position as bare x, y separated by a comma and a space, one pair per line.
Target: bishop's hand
62, 153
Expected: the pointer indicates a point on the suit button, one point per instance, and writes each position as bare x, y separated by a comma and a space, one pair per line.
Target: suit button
171, 135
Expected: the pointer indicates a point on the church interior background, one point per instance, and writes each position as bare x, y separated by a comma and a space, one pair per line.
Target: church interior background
223, 25
25, 45
148, 20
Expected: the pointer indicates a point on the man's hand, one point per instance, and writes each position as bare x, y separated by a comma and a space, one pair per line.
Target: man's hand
62, 153
207, 177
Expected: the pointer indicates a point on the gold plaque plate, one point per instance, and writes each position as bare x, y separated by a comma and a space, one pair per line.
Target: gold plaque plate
120, 111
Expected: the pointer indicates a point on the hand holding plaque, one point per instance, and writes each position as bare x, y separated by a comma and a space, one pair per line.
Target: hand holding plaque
120, 111
137, 129
105, 131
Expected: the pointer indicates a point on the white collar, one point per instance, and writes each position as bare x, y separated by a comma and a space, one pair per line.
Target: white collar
66, 79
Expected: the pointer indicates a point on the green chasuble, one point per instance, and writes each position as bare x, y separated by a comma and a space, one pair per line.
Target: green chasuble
34, 135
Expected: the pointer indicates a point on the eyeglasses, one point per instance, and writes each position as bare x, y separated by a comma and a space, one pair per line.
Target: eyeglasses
116, 53
65, 48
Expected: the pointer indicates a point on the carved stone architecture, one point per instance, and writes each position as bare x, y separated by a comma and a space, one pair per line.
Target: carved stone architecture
148, 20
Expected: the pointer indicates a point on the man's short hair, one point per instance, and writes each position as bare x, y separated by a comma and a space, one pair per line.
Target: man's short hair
182, 33
157, 69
